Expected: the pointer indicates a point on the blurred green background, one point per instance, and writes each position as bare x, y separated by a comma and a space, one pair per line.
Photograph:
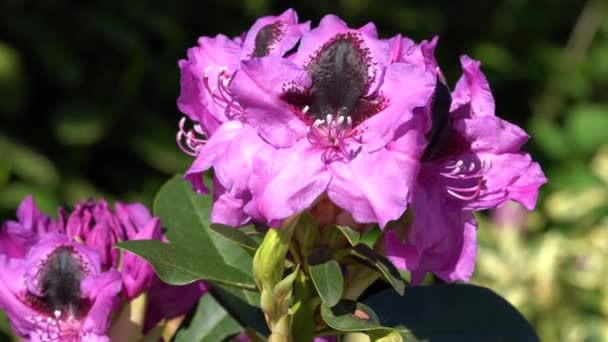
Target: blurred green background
87, 108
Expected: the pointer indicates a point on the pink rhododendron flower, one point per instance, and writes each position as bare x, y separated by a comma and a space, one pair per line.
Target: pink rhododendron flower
472, 162
99, 227
96, 225
205, 98
77, 251
327, 116
56, 289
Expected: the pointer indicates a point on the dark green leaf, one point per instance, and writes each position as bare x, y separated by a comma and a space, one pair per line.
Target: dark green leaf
178, 266
210, 323
351, 235
185, 214
388, 270
235, 235
326, 276
452, 313
244, 313
351, 316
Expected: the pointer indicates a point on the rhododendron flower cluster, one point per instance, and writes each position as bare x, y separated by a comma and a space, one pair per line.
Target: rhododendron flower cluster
289, 116
63, 280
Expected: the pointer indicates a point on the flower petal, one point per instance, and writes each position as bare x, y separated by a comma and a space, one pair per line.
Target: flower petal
136, 272
403, 255
405, 50
207, 58
167, 301
511, 176
258, 88
290, 33
331, 26
491, 134
227, 208
473, 90
444, 235
11, 286
213, 150
103, 291
372, 187
286, 181
406, 87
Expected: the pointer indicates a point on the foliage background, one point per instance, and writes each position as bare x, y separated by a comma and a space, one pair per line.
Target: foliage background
87, 108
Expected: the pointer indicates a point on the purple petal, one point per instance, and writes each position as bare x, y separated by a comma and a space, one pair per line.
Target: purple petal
406, 87
168, 301
136, 272
444, 236
331, 26
289, 32
207, 58
47, 245
403, 255
473, 90
214, 149
510, 176
525, 188
365, 187
227, 208
491, 134
405, 50
103, 289
16, 237
258, 88
11, 286
132, 217
286, 181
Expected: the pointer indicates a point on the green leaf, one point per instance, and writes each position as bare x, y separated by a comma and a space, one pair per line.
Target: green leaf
210, 323
178, 266
388, 270
243, 312
185, 214
350, 234
371, 236
326, 275
452, 313
350, 316
235, 235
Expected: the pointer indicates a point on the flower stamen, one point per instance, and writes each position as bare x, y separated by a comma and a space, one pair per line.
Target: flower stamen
459, 172
220, 93
190, 141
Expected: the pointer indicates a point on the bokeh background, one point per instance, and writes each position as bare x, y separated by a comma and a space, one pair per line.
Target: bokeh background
87, 108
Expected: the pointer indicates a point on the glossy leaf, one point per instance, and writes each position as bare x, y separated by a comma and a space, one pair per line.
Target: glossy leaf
179, 266
194, 251
209, 323
235, 235
388, 270
243, 312
326, 275
350, 234
452, 313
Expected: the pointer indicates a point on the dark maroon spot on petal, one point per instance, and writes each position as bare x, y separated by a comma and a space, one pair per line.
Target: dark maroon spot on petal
454, 144
60, 281
440, 116
340, 71
267, 37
